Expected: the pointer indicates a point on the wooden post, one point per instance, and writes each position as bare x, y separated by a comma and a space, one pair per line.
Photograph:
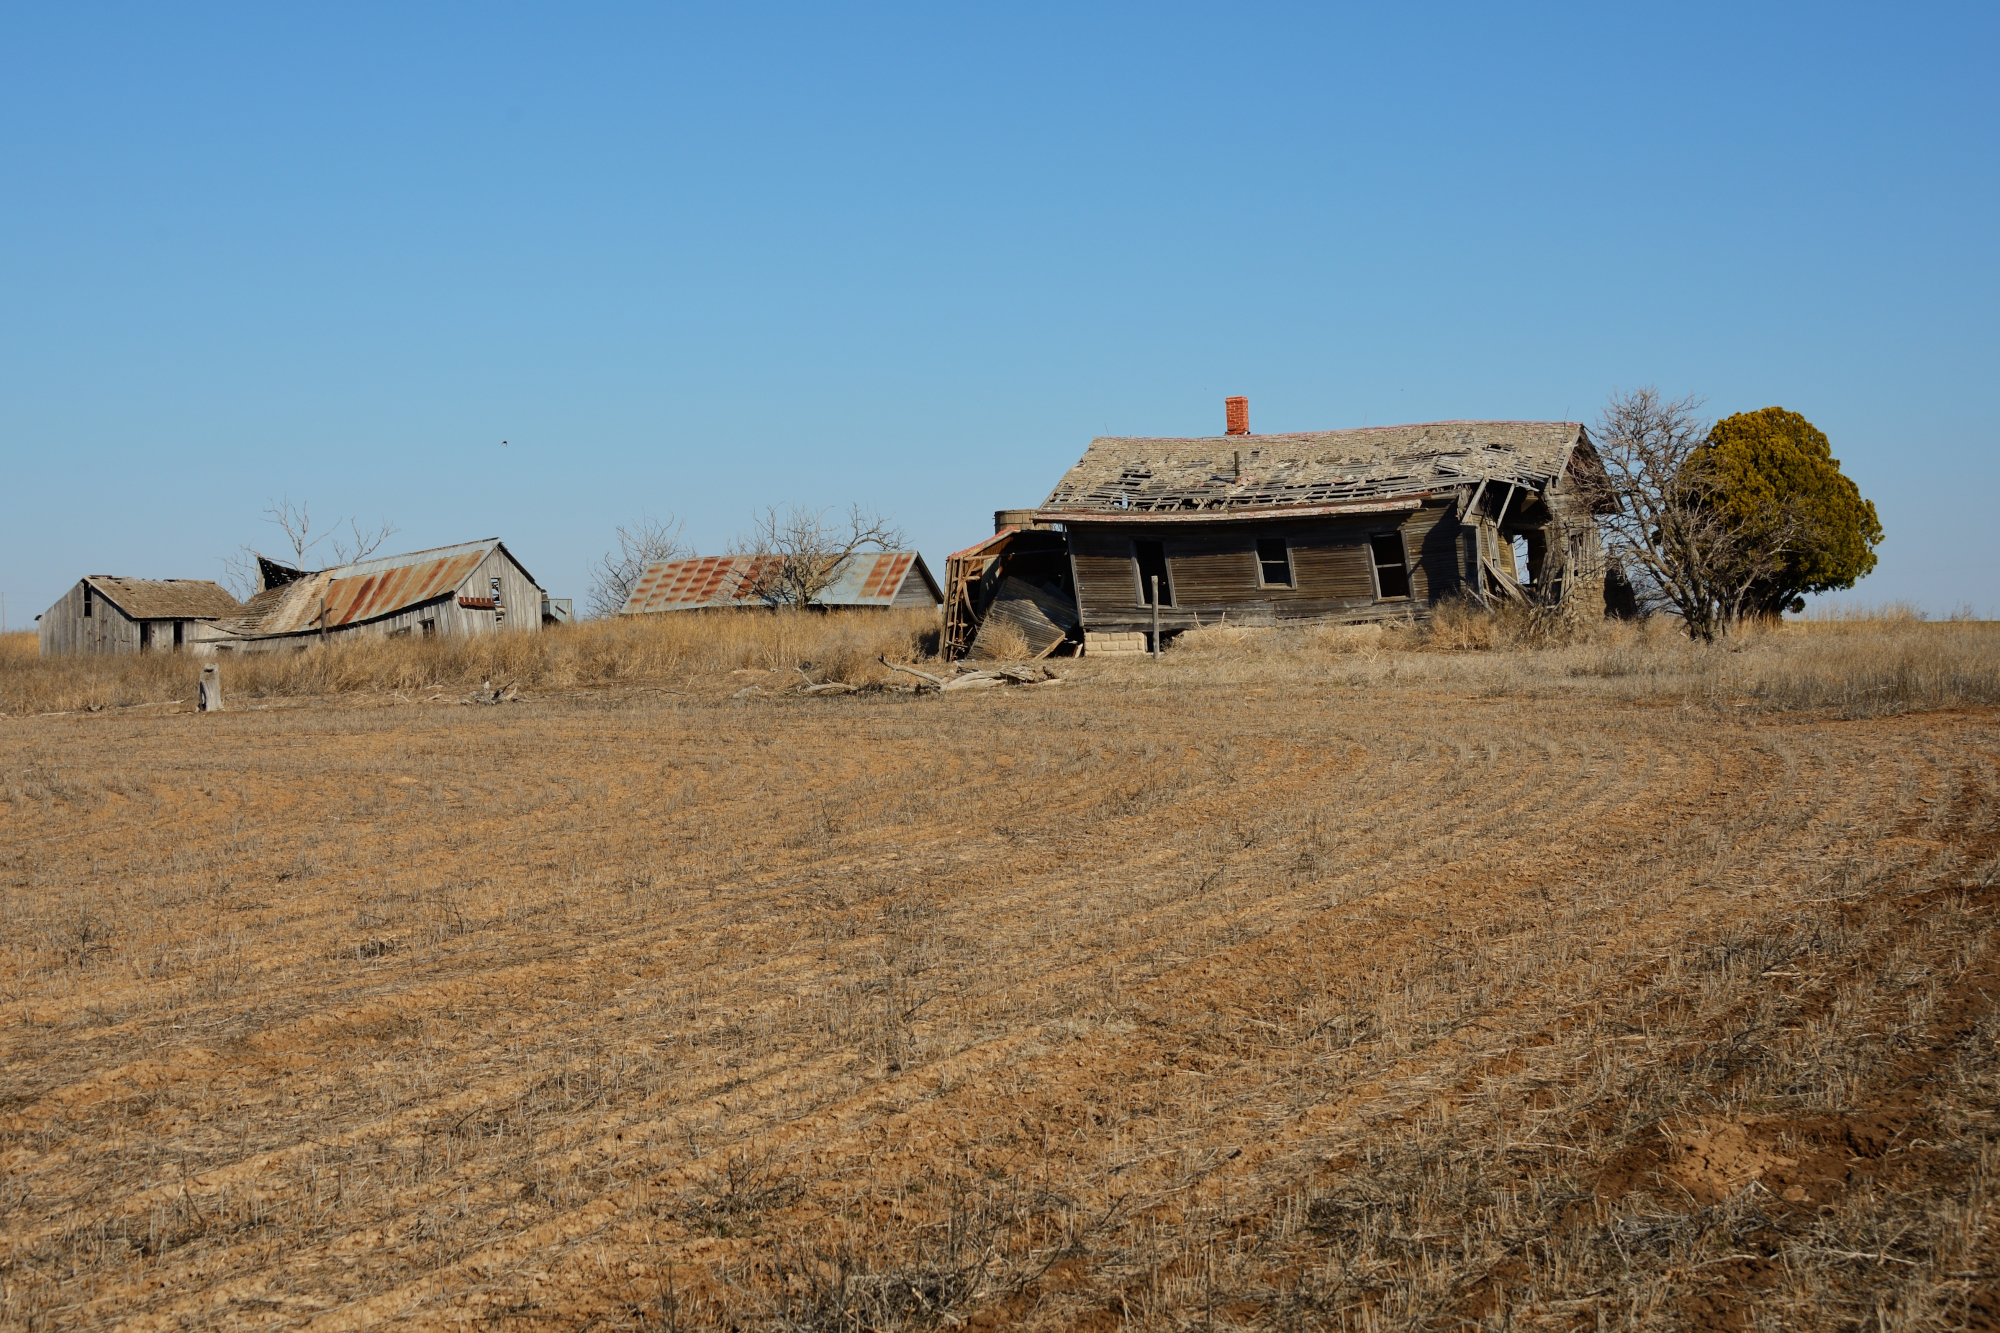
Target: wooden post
210, 690
1156, 617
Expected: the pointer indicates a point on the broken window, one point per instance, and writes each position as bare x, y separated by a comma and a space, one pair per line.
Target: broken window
1392, 571
1274, 562
429, 627
1149, 559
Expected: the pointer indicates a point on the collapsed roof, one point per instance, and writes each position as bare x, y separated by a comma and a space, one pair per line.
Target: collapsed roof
362, 591
1247, 475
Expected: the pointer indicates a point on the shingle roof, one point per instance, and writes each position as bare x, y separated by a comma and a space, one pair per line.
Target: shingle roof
1133, 474
166, 599
870, 578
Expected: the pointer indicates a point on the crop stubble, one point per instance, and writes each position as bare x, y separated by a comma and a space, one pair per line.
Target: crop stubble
1148, 1000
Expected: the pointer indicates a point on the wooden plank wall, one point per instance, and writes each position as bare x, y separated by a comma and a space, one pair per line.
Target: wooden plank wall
64, 628
1215, 572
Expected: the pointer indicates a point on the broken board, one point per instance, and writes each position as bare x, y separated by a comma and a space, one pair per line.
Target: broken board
1044, 617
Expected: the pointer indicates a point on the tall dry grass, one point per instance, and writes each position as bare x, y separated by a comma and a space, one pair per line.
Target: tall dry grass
1851, 667
841, 645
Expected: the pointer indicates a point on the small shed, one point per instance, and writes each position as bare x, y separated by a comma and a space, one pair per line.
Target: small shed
473, 588
867, 579
105, 614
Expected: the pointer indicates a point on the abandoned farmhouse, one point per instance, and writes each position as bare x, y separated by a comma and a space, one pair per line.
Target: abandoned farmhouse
1351, 525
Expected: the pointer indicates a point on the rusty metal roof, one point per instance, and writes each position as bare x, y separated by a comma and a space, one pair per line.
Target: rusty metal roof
365, 590
868, 578
166, 599
1244, 475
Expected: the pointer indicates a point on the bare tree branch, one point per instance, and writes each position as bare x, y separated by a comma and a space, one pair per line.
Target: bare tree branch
810, 549
639, 546
240, 568
1680, 547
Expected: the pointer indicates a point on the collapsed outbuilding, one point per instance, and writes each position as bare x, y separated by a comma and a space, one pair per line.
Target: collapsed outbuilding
472, 588
1377, 523
877, 579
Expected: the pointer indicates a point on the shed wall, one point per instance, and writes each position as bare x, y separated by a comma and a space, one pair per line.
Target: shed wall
65, 629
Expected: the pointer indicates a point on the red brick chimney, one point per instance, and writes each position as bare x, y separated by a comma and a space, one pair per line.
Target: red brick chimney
1238, 410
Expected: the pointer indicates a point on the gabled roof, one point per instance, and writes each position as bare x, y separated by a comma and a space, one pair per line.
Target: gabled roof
365, 590
1127, 476
867, 578
166, 599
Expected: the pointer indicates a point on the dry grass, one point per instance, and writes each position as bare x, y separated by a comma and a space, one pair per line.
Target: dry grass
1314, 983
650, 650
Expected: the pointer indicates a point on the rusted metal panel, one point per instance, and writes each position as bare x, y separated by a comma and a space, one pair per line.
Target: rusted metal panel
868, 579
353, 599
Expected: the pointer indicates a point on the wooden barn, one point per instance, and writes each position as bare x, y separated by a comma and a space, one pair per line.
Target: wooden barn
879, 579
1352, 525
474, 588
102, 614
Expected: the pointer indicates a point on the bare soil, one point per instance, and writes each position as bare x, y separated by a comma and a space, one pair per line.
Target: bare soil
1166, 998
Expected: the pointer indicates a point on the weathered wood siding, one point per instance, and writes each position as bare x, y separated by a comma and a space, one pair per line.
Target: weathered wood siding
64, 628
519, 598
1214, 570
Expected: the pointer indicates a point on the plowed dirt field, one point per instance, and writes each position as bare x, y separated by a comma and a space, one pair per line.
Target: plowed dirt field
1118, 1004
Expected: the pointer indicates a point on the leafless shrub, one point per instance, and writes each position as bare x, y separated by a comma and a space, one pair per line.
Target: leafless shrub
296, 522
809, 548
639, 546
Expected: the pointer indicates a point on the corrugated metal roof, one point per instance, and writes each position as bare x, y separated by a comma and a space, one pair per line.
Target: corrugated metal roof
166, 599
365, 590
1137, 475
869, 578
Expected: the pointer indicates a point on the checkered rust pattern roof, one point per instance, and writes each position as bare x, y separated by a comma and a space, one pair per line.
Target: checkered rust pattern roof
870, 578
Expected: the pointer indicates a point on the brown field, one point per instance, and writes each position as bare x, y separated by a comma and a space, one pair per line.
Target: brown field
1341, 979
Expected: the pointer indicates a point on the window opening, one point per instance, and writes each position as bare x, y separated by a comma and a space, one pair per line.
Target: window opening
145, 635
499, 611
1274, 562
429, 627
180, 632
86, 601
1522, 566
1392, 574
1150, 559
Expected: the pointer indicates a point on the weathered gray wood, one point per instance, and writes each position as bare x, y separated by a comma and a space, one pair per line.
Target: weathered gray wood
210, 690
1156, 617
1044, 618
936, 681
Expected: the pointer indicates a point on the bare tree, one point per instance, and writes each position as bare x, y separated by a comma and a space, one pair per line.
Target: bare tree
1680, 547
810, 548
296, 522
639, 546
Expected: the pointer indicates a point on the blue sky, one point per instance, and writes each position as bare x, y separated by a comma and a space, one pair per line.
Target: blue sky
693, 261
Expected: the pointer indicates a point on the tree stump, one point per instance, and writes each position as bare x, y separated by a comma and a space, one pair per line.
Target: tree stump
210, 689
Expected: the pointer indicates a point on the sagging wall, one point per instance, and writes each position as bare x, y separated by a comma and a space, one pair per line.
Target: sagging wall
1214, 569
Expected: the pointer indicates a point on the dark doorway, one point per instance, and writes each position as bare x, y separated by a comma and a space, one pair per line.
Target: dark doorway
1151, 559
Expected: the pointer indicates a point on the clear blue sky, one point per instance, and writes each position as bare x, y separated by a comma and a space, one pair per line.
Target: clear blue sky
693, 261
